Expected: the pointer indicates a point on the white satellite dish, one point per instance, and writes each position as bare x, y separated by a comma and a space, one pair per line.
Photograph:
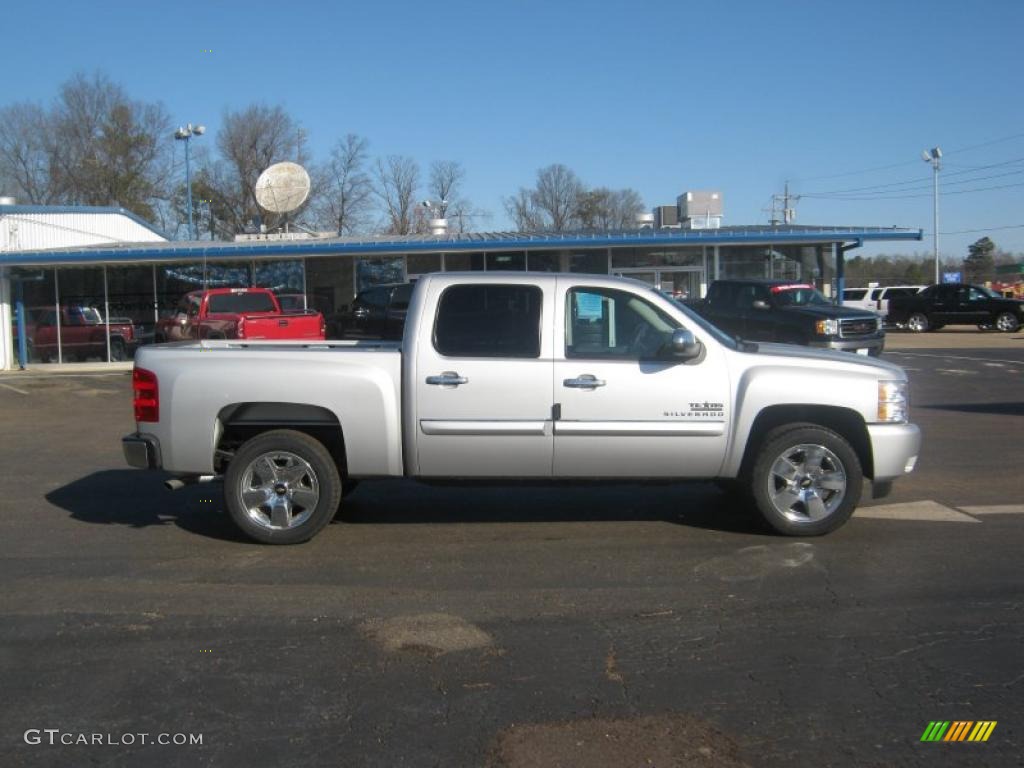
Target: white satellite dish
282, 188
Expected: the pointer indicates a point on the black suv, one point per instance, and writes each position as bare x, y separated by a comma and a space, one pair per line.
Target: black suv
375, 313
791, 313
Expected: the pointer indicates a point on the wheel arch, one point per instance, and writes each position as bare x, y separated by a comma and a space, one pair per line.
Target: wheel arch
239, 422
843, 421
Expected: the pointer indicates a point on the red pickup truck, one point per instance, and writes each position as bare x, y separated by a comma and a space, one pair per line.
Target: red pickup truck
237, 313
81, 334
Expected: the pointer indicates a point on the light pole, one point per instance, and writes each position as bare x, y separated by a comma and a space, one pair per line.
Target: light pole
934, 156
185, 134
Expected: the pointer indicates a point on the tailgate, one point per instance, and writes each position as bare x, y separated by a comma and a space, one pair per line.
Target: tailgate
308, 325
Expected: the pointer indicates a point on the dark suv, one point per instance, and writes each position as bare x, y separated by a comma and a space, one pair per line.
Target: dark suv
792, 313
375, 313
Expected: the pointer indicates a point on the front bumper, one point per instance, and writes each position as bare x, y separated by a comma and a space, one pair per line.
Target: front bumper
894, 449
142, 451
873, 346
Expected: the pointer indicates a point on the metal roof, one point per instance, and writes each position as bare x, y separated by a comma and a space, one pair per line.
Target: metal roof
15, 209
472, 241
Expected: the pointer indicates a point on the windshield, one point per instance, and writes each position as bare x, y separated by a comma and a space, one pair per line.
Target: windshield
798, 296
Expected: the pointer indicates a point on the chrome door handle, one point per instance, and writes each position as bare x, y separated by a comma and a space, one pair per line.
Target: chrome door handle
586, 381
447, 379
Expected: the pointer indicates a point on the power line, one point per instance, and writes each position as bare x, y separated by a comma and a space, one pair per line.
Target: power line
970, 148
823, 195
983, 229
850, 198
917, 180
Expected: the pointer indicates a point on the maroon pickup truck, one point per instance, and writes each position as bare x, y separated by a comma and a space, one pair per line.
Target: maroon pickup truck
237, 313
80, 334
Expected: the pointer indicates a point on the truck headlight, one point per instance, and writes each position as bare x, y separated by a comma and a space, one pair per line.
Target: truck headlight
827, 327
893, 401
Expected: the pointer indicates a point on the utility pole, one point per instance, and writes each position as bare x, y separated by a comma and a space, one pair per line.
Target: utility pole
788, 213
934, 156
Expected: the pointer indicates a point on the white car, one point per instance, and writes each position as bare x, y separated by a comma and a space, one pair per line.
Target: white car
876, 297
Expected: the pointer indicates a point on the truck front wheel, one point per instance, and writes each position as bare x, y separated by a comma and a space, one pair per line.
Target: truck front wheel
282, 487
806, 480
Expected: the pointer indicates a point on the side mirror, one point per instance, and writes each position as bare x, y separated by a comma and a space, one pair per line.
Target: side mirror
684, 345
760, 304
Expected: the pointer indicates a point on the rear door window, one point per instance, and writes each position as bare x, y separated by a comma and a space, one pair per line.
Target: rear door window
489, 321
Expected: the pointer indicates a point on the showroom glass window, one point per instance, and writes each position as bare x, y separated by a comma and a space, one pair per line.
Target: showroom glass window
489, 321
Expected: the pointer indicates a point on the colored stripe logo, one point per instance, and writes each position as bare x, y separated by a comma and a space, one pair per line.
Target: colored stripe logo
958, 730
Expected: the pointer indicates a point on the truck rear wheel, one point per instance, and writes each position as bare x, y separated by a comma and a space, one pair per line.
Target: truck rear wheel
806, 480
918, 322
282, 487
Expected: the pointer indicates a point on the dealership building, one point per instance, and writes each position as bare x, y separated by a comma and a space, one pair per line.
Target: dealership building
55, 261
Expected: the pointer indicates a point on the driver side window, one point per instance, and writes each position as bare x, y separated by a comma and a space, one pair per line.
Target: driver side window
606, 324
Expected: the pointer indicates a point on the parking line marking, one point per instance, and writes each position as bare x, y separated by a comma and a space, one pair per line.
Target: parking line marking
996, 509
13, 389
922, 511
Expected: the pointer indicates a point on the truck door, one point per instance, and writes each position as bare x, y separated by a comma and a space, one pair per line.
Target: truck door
626, 409
483, 381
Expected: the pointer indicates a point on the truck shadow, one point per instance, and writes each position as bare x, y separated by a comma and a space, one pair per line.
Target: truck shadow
695, 505
138, 500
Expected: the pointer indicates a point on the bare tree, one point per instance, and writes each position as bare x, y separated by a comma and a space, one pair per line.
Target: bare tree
250, 141
25, 169
396, 180
603, 208
525, 216
555, 196
107, 148
343, 187
445, 185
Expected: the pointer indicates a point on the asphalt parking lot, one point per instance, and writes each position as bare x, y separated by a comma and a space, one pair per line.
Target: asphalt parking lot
600, 626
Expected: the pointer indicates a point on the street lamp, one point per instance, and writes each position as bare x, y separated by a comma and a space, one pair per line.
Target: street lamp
184, 134
934, 156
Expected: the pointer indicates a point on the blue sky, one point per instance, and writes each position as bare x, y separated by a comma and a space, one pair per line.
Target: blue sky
661, 97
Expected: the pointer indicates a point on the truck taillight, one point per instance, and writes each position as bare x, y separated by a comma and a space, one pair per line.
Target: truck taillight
146, 395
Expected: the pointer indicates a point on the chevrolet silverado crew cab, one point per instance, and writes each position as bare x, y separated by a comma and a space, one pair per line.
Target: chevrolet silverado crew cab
791, 313
520, 376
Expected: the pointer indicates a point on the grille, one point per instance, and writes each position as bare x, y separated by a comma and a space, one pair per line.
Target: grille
857, 327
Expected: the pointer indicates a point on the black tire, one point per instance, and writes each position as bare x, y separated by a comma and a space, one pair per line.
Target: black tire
118, 350
918, 322
823, 485
288, 467
1007, 322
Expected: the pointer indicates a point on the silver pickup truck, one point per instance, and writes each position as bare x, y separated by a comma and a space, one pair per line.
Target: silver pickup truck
513, 376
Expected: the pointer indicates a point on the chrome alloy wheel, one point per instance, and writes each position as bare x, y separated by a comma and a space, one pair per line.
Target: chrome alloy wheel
279, 490
807, 483
917, 322
1007, 323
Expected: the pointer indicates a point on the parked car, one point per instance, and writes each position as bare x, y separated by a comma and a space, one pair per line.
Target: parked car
956, 304
792, 313
877, 297
82, 334
375, 313
237, 313
523, 376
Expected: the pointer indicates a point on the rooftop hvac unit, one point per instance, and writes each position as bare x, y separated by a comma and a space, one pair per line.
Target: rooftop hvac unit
666, 216
694, 204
